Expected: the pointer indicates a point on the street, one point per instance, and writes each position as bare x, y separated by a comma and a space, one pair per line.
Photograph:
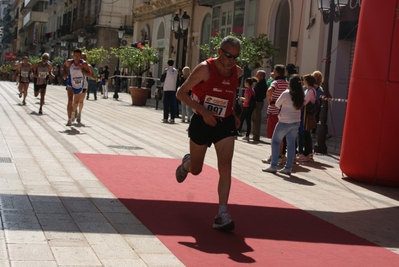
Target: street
51, 203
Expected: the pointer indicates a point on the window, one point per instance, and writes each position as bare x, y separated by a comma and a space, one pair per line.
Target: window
228, 18
161, 31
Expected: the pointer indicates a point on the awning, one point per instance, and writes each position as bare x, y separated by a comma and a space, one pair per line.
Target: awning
10, 56
212, 3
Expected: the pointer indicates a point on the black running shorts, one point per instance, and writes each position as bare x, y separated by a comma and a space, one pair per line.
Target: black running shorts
204, 134
39, 87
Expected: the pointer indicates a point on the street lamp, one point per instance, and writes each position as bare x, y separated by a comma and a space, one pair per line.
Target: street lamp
180, 26
52, 51
93, 41
81, 38
121, 32
331, 11
63, 44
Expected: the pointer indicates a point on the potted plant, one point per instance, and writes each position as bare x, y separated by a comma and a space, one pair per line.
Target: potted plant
96, 55
139, 61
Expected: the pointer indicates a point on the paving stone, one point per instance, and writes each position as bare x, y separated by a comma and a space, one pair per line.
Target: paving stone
52, 207
34, 264
66, 239
75, 256
145, 245
161, 260
123, 263
96, 217
30, 252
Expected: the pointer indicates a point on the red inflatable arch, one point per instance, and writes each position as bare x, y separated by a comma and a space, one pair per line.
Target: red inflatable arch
370, 144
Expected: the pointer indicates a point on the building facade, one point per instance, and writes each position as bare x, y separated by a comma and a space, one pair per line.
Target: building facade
295, 27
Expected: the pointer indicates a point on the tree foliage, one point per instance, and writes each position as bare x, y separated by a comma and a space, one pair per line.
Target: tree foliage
96, 55
138, 60
35, 59
256, 51
58, 61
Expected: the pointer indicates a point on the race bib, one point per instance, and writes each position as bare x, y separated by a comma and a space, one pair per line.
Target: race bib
217, 105
42, 75
24, 74
77, 80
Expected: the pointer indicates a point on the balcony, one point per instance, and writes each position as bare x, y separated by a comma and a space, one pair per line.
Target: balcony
86, 23
32, 3
34, 16
64, 30
23, 10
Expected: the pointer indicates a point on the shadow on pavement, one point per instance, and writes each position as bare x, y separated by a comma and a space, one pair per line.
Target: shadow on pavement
72, 131
390, 192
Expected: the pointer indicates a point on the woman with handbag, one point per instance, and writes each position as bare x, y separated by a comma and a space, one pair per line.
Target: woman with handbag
308, 118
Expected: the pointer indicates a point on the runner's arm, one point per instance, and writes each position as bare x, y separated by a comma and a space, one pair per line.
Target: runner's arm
199, 74
65, 69
50, 70
88, 70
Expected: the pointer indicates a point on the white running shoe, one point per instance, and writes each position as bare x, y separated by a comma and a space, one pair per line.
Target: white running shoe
223, 222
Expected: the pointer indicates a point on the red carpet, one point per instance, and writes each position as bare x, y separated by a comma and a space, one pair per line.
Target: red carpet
269, 232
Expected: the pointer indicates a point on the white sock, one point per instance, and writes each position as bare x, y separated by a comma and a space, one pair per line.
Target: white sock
222, 208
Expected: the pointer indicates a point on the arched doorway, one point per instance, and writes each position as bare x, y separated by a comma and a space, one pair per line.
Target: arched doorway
160, 44
205, 34
281, 32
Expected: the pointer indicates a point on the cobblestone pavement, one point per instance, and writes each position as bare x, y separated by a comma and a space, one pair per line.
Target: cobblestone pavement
54, 211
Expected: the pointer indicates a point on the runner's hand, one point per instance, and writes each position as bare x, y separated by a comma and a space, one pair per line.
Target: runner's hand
209, 118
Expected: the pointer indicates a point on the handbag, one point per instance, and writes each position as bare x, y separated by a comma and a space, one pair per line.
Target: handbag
312, 108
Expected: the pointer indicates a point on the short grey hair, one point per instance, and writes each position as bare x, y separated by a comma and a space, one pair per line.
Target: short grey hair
231, 40
262, 72
46, 55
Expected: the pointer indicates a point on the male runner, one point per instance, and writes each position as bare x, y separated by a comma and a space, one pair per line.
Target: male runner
23, 71
78, 112
42, 71
74, 73
214, 84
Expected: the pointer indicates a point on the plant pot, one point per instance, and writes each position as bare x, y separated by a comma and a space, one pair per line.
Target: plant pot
139, 95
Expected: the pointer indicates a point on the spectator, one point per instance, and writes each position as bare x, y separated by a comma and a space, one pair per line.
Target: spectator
308, 120
290, 103
278, 86
185, 110
169, 79
124, 80
260, 95
248, 107
150, 83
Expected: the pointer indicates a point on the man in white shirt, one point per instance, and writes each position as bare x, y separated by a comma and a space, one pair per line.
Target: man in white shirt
169, 79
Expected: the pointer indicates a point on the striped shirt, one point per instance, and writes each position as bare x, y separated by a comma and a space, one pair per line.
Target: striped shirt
279, 85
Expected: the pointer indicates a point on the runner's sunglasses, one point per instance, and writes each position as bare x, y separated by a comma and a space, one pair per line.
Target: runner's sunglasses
228, 55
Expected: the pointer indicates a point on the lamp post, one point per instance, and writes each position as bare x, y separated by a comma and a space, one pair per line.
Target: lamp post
81, 38
64, 44
121, 32
180, 26
93, 41
331, 11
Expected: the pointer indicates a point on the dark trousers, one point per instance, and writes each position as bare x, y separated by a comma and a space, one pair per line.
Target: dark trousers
308, 143
246, 116
92, 89
169, 104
